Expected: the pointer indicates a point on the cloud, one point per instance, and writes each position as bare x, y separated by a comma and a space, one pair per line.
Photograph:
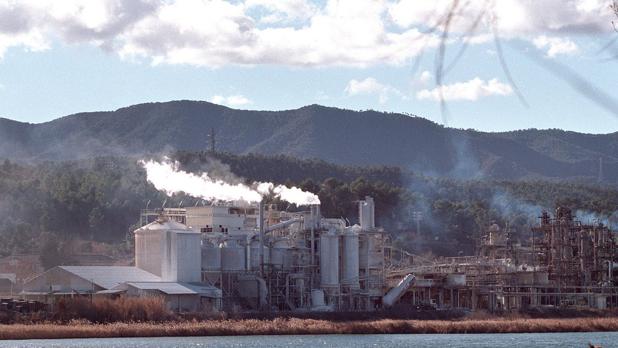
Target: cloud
370, 86
216, 33
278, 11
512, 17
471, 90
232, 100
555, 45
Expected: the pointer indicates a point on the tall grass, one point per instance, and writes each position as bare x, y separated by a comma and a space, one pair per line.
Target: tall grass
104, 310
81, 329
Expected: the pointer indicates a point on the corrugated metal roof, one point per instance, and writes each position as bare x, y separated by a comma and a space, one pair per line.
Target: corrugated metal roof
108, 277
177, 288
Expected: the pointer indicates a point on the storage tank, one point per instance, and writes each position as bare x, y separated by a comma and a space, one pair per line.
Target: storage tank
329, 259
233, 256
370, 251
254, 255
182, 257
168, 249
366, 213
281, 254
350, 258
211, 257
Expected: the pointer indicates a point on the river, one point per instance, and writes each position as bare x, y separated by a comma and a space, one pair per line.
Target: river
563, 340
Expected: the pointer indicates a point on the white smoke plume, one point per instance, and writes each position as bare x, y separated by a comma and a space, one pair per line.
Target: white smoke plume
166, 176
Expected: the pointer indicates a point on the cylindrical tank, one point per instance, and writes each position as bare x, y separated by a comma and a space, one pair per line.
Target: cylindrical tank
350, 269
317, 298
366, 213
456, 280
254, 255
233, 256
329, 259
541, 278
281, 254
369, 251
211, 257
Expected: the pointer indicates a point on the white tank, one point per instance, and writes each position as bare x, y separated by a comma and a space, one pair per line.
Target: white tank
233, 256
168, 249
366, 214
350, 268
370, 254
211, 257
329, 259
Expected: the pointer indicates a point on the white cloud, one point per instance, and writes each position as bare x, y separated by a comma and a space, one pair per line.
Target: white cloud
232, 100
425, 77
470, 90
283, 11
216, 33
512, 17
371, 86
555, 45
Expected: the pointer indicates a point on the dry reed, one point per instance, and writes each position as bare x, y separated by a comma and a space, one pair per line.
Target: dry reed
84, 329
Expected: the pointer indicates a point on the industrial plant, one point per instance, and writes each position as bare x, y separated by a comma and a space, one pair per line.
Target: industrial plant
242, 257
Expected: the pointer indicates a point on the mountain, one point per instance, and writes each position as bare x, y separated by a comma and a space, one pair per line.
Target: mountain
335, 135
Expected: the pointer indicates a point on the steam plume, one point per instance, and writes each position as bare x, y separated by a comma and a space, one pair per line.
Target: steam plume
166, 176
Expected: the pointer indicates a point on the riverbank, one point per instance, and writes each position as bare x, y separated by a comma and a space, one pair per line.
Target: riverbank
81, 329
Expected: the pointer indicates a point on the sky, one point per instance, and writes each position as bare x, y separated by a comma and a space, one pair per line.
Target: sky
490, 65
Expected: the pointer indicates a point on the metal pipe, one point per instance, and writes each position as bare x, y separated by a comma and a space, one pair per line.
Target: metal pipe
281, 225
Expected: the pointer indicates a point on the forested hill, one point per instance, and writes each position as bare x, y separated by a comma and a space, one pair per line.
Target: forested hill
335, 135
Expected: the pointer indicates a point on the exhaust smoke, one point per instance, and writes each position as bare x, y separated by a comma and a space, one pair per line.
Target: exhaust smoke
168, 177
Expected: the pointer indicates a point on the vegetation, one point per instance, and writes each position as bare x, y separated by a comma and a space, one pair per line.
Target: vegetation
281, 326
44, 205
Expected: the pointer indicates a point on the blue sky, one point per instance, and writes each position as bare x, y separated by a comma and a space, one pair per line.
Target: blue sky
63, 57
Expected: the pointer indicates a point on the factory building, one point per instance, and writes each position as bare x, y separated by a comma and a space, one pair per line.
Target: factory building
254, 257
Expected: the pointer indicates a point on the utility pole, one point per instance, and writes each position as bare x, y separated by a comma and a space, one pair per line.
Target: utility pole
212, 140
601, 169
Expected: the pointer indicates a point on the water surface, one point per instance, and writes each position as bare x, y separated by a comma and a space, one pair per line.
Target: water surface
579, 340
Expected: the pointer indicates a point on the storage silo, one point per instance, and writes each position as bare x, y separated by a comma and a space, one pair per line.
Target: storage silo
254, 255
233, 256
281, 256
182, 257
329, 259
168, 249
350, 259
366, 214
211, 256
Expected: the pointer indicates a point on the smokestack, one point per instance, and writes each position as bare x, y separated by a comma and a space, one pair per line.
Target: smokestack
261, 227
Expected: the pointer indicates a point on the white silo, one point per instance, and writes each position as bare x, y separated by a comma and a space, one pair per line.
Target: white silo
168, 249
329, 259
182, 257
366, 214
350, 259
